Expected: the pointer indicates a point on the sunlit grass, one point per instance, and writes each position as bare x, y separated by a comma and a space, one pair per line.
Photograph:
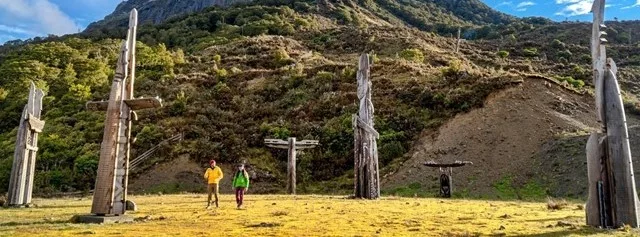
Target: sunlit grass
267, 215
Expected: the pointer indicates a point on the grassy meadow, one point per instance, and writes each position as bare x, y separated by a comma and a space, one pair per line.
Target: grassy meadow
272, 215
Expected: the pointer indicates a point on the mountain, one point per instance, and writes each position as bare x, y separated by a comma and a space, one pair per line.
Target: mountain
232, 76
156, 11
425, 14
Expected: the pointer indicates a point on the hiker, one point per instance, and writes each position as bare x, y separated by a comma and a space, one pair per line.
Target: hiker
240, 184
213, 175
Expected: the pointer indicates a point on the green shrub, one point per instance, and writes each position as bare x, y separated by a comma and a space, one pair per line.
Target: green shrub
324, 76
217, 58
564, 54
557, 44
280, 54
221, 73
301, 6
573, 82
414, 55
453, 69
531, 52
503, 54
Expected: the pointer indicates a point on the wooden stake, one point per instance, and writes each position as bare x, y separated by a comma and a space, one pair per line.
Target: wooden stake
291, 168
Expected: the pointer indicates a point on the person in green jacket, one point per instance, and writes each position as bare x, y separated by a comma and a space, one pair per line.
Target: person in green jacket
240, 184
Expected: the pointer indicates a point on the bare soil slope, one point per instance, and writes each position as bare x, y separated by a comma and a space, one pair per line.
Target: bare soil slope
511, 143
183, 174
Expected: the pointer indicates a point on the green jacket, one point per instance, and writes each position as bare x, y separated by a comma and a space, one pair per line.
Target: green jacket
240, 181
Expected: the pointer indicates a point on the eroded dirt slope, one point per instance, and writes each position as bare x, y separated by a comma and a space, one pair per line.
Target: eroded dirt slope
512, 143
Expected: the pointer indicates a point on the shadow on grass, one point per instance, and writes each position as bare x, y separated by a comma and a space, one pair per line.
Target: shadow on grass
555, 219
579, 231
14, 224
61, 206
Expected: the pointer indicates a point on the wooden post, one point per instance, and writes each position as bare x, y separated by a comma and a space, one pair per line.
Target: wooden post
291, 168
292, 146
366, 173
446, 175
24, 158
612, 200
113, 167
626, 197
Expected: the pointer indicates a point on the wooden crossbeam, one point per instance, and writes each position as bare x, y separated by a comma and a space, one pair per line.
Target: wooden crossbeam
454, 164
292, 145
446, 179
134, 104
35, 123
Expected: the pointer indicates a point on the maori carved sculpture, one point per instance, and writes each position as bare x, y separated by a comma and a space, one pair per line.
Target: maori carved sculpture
24, 158
110, 195
367, 177
612, 200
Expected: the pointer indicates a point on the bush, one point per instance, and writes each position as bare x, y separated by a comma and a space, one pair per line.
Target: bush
557, 44
453, 69
280, 55
414, 55
564, 54
221, 73
503, 54
531, 52
573, 82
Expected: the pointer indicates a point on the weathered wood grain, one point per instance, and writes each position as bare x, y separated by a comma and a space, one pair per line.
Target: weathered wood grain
594, 167
625, 195
366, 173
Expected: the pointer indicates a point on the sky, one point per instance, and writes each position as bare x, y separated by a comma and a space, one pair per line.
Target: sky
560, 10
23, 19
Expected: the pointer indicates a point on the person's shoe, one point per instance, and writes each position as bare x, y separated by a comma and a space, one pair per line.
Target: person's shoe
216, 204
208, 207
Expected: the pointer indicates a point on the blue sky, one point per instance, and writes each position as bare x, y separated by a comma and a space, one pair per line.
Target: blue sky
561, 10
23, 19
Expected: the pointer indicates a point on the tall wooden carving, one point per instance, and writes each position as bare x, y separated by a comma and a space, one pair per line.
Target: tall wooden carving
292, 146
110, 195
24, 157
612, 200
367, 177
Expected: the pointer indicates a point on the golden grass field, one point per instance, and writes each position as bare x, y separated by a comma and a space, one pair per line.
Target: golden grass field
272, 215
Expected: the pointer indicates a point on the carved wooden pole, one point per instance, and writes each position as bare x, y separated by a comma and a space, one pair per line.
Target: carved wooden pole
367, 177
111, 182
291, 145
612, 200
24, 158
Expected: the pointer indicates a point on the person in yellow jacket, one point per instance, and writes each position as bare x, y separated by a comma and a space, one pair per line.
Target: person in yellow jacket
213, 175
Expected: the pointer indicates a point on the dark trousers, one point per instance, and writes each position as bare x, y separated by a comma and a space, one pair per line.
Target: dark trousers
240, 195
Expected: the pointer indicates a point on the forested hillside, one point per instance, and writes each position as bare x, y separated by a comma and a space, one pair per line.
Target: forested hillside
230, 77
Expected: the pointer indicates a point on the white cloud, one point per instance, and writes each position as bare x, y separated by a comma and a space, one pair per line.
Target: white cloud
505, 3
632, 6
40, 16
574, 7
524, 5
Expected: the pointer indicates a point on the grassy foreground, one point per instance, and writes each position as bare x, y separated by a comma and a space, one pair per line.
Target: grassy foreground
267, 215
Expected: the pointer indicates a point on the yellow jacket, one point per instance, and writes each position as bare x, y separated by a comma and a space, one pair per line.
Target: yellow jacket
213, 176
